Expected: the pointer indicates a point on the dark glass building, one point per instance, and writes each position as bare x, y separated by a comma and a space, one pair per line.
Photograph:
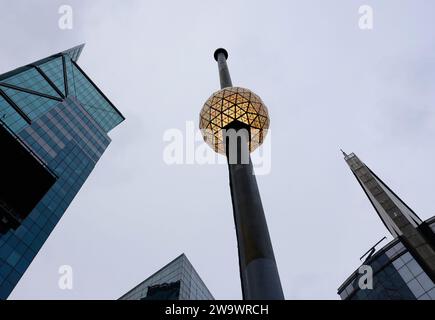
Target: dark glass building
54, 124
178, 280
402, 269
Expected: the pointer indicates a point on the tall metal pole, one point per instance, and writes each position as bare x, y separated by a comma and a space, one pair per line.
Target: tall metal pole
258, 269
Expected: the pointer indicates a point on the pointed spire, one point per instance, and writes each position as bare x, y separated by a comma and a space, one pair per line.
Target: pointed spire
344, 153
399, 219
74, 52
394, 213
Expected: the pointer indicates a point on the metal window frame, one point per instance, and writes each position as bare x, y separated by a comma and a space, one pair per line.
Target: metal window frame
55, 88
98, 89
15, 107
65, 76
29, 91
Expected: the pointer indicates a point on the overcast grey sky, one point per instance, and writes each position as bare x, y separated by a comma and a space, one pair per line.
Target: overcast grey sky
327, 84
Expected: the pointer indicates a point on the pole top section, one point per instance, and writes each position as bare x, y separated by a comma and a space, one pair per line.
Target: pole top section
218, 52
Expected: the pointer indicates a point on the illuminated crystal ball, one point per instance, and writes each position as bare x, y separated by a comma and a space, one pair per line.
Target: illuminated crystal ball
229, 105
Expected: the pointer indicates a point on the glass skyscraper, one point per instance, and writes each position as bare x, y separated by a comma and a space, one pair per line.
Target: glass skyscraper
396, 276
404, 268
178, 280
54, 124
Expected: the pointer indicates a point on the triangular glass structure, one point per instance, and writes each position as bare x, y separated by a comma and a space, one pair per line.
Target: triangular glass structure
32, 105
31, 79
54, 71
47, 82
10, 116
95, 103
74, 53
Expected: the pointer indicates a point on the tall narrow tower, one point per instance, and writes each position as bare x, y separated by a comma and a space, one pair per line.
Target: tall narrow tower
234, 122
399, 219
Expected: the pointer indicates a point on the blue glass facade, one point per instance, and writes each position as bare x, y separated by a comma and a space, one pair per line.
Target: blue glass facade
57, 111
178, 280
396, 276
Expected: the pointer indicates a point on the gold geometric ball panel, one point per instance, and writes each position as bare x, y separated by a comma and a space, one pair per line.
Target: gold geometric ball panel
228, 105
